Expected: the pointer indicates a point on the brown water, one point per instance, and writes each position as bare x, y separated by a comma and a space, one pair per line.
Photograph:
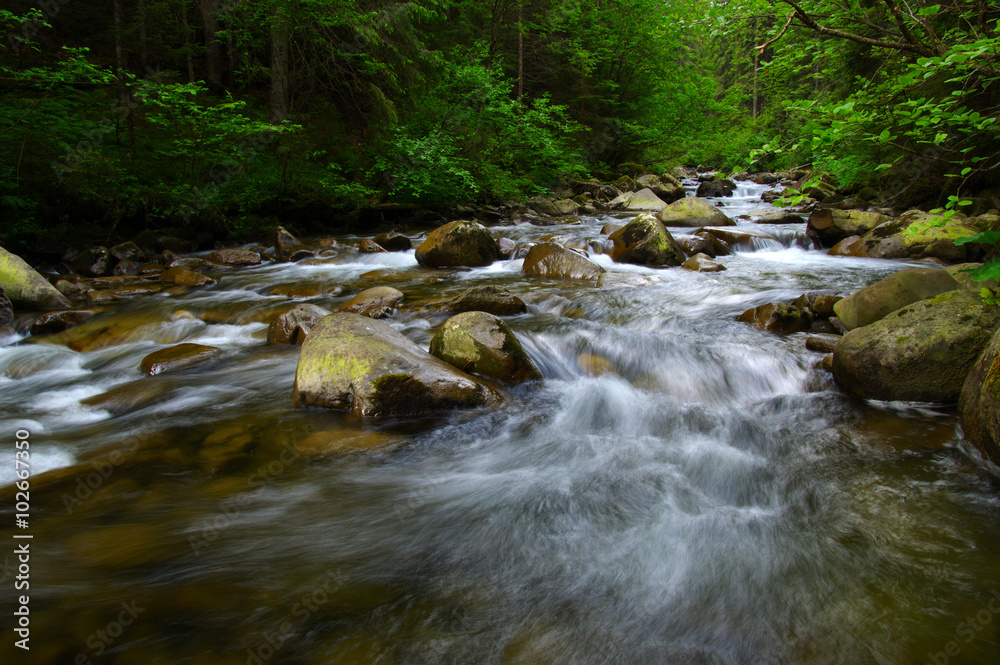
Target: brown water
713, 499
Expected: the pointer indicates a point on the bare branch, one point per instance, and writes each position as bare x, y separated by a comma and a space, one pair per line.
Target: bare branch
781, 34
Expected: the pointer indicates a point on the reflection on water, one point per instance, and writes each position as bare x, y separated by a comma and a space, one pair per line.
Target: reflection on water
681, 488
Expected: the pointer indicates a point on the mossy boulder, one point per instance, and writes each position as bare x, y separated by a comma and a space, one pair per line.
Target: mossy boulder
352, 363
488, 298
644, 199
664, 187
645, 241
549, 259
177, 357
919, 235
458, 243
481, 343
828, 226
922, 352
25, 287
892, 293
979, 403
6, 313
693, 212
293, 326
377, 302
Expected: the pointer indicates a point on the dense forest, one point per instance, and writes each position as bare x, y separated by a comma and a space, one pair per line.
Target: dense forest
164, 114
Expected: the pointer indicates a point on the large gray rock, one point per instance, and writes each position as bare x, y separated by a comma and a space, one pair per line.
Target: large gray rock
548, 259
24, 286
693, 212
459, 243
488, 298
665, 187
286, 244
922, 352
881, 298
979, 404
645, 241
919, 235
377, 302
644, 199
483, 344
353, 363
716, 188
828, 226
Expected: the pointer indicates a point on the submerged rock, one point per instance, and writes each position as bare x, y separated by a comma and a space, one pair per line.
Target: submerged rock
645, 241
459, 243
692, 211
293, 326
53, 322
353, 363
481, 343
177, 357
882, 298
922, 352
376, 303
24, 286
979, 403
548, 259
489, 298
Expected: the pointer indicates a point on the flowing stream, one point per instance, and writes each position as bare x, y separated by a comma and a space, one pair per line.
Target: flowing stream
709, 496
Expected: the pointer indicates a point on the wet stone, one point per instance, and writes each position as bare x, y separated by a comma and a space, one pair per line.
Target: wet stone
177, 357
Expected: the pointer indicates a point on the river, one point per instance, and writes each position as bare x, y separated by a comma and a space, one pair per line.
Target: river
712, 498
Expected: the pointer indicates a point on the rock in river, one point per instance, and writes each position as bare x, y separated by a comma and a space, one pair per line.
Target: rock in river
354, 363
644, 241
922, 352
898, 290
376, 303
979, 404
488, 298
548, 259
234, 257
693, 212
293, 326
177, 357
24, 286
483, 344
458, 243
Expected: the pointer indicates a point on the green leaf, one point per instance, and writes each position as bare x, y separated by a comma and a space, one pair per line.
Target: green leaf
985, 237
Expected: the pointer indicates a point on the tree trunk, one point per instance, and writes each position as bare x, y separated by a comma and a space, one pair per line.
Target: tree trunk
520, 49
140, 14
756, 61
189, 44
280, 89
213, 49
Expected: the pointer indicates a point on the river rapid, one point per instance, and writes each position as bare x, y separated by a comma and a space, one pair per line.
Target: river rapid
709, 497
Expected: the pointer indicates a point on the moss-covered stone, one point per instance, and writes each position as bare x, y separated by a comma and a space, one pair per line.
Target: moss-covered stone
644, 199
645, 241
25, 287
920, 235
884, 297
922, 352
481, 343
692, 211
979, 403
459, 243
828, 226
353, 363
548, 259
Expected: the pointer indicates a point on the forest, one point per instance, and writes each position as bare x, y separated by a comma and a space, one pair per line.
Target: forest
135, 114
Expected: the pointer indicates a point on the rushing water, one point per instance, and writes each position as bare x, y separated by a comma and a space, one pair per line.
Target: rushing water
714, 498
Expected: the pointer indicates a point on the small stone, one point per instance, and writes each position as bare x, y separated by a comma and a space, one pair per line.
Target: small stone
177, 357
375, 303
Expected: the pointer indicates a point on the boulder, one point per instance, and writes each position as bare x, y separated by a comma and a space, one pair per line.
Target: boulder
922, 352
716, 188
544, 206
293, 326
778, 317
920, 235
702, 263
353, 363
6, 313
93, 262
285, 244
734, 237
393, 242
828, 226
507, 247
185, 277
480, 343
24, 286
703, 244
177, 357
128, 251
645, 241
693, 212
369, 246
777, 216
881, 298
644, 199
979, 403
548, 259
765, 178
609, 228
458, 243
625, 184
492, 299
53, 322
376, 303
233, 257
666, 189
126, 267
